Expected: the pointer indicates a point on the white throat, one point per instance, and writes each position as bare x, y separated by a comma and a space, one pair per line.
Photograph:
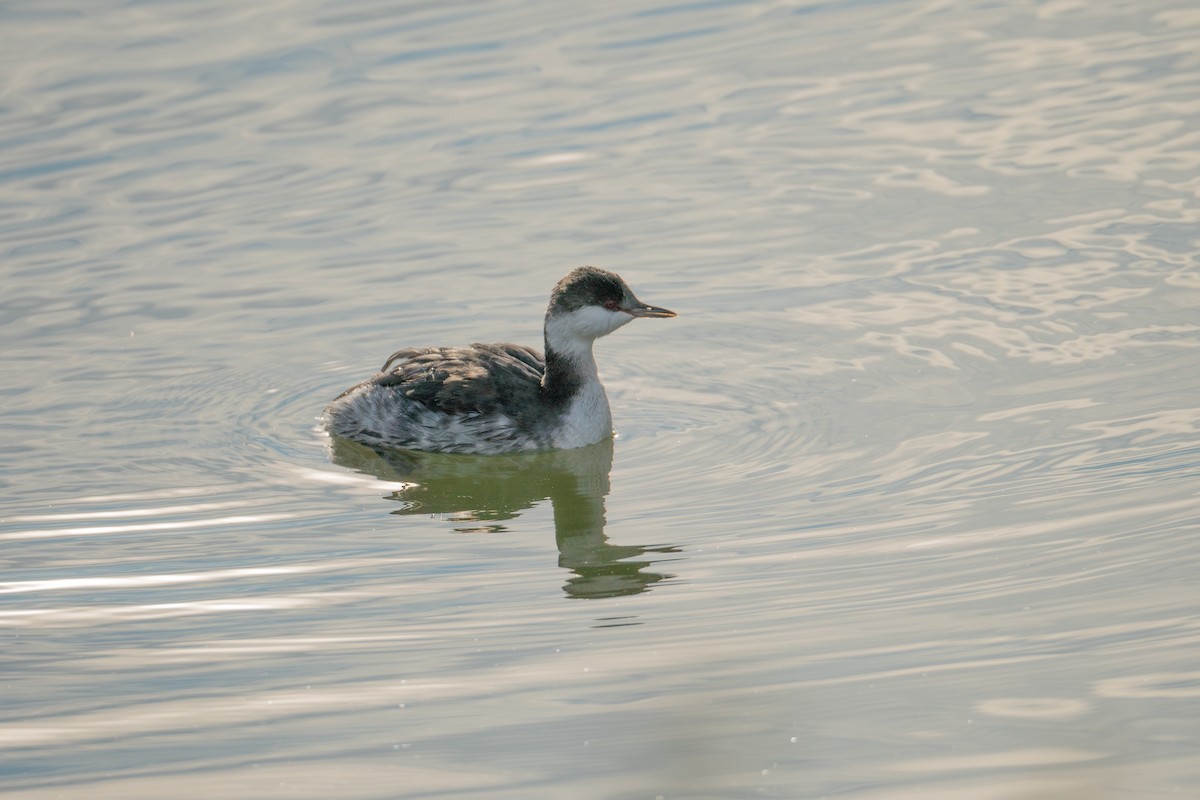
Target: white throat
587, 419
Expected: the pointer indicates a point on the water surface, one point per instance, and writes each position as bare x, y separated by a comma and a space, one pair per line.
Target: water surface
903, 504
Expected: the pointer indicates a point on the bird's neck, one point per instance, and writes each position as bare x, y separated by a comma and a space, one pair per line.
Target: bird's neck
572, 391
571, 386
570, 365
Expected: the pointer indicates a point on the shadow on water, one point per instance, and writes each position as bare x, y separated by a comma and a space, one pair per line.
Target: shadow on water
481, 492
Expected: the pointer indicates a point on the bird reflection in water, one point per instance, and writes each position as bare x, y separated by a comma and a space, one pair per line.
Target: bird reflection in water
483, 491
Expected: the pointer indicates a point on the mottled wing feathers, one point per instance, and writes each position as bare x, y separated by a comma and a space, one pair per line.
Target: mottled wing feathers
463, 380
530, 357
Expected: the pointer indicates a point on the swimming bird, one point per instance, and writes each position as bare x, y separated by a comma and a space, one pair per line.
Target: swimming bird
499, 398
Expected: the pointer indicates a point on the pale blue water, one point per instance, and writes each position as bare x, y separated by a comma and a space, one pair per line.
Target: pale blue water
903, 505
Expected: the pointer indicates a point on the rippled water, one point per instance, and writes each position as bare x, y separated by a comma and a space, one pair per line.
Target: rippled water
904, 504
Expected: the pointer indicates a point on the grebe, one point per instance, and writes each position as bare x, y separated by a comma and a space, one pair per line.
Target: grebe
499, 398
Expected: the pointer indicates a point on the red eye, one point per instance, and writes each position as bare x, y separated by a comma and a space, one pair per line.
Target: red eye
612, 305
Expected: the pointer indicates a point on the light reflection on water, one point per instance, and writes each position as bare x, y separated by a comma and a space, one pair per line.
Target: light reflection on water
903, 504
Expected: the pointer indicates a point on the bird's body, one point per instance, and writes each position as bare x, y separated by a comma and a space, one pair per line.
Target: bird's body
497, 398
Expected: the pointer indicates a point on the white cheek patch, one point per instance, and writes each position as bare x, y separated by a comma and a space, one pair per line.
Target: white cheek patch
592, 322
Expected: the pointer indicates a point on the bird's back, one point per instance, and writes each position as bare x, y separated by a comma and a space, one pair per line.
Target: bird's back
481, 398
